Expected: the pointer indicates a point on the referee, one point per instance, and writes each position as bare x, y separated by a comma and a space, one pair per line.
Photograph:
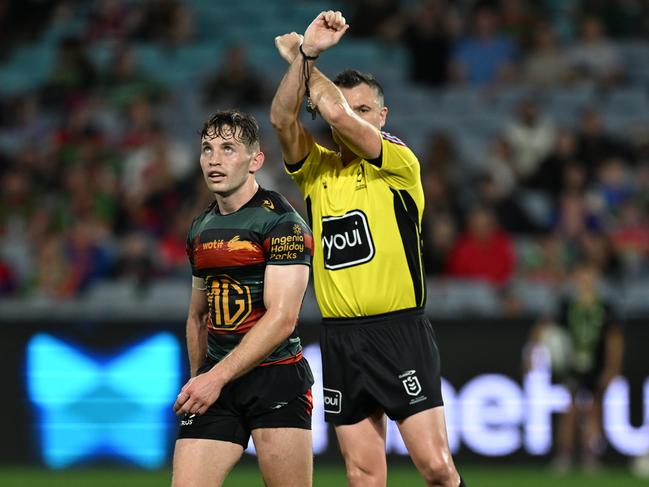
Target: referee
365, 205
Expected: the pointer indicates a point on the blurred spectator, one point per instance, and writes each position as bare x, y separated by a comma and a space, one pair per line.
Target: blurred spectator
561, 170
8, 282
613, 187
439, 235
622, 18
630, 239
519, 20
506, 206
172, 245
18, 199
596, 249
136, 260
123, 82
235, 83
594, 144
73, 75
169, 22
181, 30
500, 167
368, 17
581, 231
574, 218
563, 16
150, 177
483, 252
586, 359
530, 137
546, 65
594, 57
486, 57
438, 195
108, 20
68, 263
138, 123
25, 124
428, 35
544, 260
53, 270
442, 158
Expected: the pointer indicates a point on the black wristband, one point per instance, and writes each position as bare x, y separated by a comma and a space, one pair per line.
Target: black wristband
308, 58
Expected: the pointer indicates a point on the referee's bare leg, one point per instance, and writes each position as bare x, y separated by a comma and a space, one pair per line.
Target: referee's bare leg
363, 447
424, 435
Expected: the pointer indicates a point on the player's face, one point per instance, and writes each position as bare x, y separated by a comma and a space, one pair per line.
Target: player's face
366, 104
228, 164
586, 280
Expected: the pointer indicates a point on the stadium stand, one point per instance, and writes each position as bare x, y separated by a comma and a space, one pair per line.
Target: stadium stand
66, 137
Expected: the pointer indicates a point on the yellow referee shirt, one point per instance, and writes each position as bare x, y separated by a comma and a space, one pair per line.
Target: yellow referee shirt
366, 221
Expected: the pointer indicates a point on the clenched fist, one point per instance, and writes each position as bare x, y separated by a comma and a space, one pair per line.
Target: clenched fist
288, 46
324, 32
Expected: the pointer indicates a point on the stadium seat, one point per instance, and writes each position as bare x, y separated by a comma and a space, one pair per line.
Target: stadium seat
635, 299
455, 297
537, 299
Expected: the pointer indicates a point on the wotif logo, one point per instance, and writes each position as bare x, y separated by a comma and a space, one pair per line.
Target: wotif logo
346, 240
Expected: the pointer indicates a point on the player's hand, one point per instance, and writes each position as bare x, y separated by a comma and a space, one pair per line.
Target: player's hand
198, 394
324, 32
288, 46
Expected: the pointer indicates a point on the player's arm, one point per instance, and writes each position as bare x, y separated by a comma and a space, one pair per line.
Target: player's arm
295, 139
284, 288
357, 134
197, 326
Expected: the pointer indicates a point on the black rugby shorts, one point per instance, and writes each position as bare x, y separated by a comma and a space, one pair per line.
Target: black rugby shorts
272, 396
388, 362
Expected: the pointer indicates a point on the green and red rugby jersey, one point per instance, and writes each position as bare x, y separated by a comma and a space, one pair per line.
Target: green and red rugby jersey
231, 252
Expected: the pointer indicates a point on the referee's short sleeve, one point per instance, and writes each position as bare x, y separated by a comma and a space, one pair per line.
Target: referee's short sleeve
397, 163
305, 172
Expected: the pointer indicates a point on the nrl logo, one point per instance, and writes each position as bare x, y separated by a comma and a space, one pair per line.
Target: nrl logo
411, 382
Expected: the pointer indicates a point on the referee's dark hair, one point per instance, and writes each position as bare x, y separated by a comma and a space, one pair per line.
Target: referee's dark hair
351, 78
240, 126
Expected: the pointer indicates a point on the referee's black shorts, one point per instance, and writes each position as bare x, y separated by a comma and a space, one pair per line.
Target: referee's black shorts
389, 362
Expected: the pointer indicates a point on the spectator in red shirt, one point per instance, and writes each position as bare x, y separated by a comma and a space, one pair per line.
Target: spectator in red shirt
484, 252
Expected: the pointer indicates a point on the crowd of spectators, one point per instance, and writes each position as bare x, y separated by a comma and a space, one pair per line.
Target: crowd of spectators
95, 185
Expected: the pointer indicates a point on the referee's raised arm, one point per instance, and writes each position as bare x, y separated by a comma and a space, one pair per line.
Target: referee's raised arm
355, 133
295, 139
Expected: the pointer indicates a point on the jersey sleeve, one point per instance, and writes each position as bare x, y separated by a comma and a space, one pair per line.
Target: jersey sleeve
305, 172
397, 164
289, 241
189, 249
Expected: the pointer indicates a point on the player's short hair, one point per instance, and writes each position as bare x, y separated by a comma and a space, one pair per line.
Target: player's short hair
240, 126
351, 78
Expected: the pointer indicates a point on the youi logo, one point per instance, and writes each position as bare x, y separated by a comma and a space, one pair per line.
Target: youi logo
333, 400
346, 240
